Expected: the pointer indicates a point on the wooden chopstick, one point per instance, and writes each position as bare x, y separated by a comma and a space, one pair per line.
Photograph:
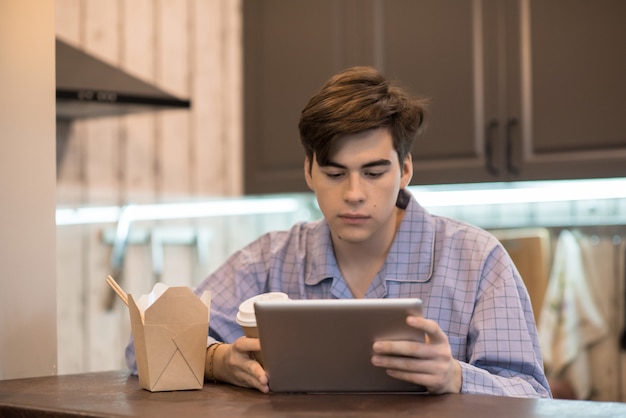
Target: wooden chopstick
118, 290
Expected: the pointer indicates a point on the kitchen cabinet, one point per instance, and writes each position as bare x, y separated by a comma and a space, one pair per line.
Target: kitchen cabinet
518, 89
290, 49
566, 89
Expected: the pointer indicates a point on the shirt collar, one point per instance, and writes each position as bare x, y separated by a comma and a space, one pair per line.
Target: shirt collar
410, 257
321, 262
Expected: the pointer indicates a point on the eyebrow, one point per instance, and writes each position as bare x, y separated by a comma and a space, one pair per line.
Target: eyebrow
375, 163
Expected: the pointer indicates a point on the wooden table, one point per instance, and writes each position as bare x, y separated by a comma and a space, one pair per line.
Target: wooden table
118, 394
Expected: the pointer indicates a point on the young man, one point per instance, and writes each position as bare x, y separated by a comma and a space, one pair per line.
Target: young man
376, 241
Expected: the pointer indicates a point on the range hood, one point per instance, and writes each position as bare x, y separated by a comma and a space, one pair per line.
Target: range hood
89, 87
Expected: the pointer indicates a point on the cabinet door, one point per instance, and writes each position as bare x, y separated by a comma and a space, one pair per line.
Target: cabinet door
566, 89
433, 47
446, 51
291, 47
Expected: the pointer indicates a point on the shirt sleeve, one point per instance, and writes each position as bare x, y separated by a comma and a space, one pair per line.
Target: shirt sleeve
131, 360
504, 356
242, 276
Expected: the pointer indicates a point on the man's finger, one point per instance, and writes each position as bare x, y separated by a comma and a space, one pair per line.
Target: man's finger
434, 334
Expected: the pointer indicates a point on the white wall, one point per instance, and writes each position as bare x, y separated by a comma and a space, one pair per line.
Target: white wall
27, 190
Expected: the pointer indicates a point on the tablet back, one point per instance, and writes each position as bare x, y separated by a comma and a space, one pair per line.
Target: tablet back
325, 345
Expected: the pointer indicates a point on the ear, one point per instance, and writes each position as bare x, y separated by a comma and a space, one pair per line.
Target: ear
407, 171
307, 173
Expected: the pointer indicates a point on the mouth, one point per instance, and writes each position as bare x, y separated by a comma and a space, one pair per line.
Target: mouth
353, 219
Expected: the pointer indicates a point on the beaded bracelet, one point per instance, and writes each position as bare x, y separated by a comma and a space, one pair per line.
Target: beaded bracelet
211, 355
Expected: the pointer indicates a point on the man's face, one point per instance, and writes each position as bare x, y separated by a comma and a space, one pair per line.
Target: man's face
357, 190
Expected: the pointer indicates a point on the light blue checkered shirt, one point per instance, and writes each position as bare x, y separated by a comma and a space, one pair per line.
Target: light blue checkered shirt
465, 278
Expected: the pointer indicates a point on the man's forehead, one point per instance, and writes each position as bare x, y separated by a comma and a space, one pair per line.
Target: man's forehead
363, 152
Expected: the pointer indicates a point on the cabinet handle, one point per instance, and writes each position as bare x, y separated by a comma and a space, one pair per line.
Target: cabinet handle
492, 128
511, 168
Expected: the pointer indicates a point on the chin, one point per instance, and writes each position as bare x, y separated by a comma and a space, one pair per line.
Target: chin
352, 237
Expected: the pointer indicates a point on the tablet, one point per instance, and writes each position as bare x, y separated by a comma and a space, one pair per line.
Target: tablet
325, 345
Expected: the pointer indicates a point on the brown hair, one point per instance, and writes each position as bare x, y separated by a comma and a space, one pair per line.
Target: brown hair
355, 100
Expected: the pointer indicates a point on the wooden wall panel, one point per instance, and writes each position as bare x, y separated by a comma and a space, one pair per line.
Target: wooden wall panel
101, 30
138, 34
138, 27
232, 92
102, 187
176, 160
68, 19
217, 121
101, 144
71, 166
189, 48
173, 45
71, 309
138, 158
71, 318
175, 147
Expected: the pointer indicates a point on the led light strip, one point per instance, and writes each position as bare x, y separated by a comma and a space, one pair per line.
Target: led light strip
521, 192
428, 196
130, 213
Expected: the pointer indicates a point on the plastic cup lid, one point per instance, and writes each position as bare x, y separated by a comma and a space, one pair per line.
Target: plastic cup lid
246, 317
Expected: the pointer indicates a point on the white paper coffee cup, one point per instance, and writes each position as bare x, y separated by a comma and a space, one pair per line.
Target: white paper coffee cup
246, 317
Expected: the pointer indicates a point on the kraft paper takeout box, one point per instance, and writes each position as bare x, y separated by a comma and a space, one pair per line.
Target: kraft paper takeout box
170, 343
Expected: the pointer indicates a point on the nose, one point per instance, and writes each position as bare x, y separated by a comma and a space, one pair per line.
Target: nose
354, 191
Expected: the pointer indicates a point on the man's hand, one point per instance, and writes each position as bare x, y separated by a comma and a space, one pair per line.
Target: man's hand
235, 364
429, 364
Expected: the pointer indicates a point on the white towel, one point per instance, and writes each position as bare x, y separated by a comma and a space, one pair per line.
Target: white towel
570, 322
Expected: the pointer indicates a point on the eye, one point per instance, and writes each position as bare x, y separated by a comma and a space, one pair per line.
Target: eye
373, 174
333, 174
